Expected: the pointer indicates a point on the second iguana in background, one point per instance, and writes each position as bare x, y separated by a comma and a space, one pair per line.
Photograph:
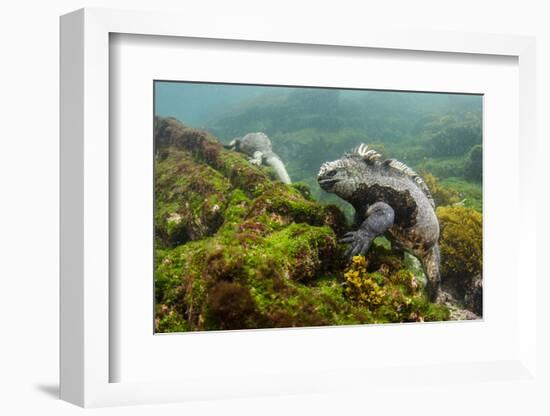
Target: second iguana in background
258, 147
388, 196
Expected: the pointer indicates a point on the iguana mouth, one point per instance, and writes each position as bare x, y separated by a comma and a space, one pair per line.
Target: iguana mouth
327, 183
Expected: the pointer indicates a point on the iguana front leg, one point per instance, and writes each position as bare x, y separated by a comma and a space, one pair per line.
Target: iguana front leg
256, 158
380, 217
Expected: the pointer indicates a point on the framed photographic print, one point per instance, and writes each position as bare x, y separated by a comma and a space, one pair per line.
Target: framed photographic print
236, 209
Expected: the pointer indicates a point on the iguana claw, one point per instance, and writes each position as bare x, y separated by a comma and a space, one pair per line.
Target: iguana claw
360, 242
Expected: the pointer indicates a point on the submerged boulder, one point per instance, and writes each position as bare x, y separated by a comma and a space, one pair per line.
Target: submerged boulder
232, 245
461, 241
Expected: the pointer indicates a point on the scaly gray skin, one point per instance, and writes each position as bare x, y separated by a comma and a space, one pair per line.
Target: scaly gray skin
388, 197
258, 147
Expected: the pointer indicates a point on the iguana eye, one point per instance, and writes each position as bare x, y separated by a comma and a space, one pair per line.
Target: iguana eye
330, 173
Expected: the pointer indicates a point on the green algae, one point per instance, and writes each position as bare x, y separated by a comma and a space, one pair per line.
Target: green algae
460, 242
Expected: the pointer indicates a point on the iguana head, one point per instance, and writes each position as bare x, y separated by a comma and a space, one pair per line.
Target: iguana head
343, 176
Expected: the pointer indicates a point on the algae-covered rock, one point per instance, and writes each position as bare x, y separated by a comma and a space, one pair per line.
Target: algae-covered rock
461, 254
236, 249
233, 247
440, 194
190, 199
391, 293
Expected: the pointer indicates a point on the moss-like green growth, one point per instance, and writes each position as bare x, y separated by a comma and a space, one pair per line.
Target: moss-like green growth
391, 294
461, 247
303, 189
305, 250
273, 267
362, 287
441, 194
232, 305
168, 320
190, 199
454, 191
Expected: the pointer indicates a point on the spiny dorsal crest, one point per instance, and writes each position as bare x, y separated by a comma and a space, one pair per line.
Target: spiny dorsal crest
363, 151
407, 171
328, 166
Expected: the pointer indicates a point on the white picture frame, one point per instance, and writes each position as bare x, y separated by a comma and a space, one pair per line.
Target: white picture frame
85, 353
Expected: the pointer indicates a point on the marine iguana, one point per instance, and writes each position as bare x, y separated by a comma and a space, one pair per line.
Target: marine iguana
388, 196
258, 147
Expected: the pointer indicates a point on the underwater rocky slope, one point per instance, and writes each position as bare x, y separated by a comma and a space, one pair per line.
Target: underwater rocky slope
236, 249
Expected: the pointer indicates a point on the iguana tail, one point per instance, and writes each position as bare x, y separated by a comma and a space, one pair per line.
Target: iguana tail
279, 168
430, 263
